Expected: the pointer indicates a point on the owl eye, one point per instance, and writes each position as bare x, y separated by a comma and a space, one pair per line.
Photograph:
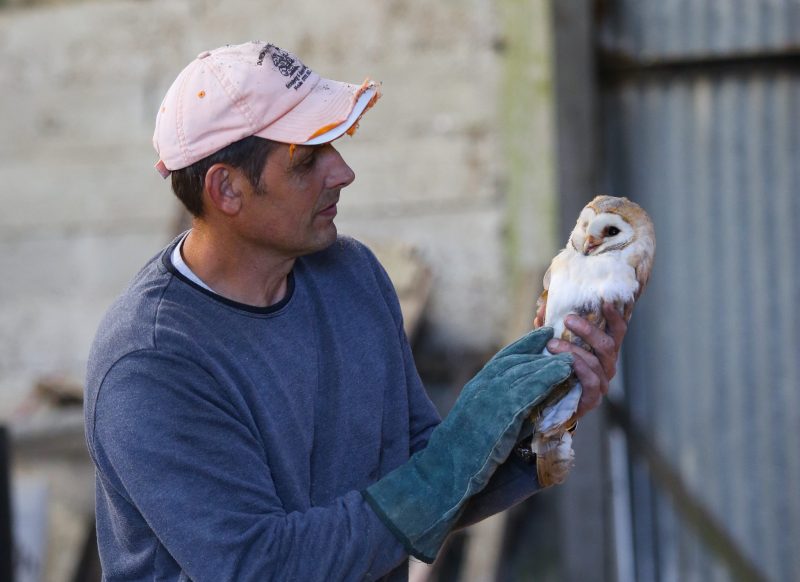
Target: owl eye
612, 231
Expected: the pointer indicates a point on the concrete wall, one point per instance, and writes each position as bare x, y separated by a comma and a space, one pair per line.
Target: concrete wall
82, 207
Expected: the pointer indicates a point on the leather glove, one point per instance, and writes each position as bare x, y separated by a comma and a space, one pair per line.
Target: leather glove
421, 501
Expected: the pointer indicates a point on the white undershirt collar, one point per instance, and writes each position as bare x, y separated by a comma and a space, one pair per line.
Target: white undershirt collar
183, 268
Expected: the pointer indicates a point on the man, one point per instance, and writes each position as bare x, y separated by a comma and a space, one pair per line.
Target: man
252, 406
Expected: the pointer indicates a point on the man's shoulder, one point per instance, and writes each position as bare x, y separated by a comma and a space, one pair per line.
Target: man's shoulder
129, 322
350, 267
346, 248
346, 253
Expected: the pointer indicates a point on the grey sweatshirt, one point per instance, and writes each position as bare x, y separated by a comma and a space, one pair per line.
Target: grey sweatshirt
233, 442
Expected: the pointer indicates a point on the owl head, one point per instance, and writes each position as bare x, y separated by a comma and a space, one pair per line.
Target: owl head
610, 224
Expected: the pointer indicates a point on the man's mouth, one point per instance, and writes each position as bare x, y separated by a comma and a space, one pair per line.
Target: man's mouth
329, 210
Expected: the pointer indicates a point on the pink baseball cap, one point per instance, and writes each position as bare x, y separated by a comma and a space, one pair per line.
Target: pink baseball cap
255, 88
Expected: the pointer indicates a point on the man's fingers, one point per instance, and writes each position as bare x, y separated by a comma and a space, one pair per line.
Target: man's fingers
593, 373
604, 346
616, 324
588, 367
531, 343
589, 371
597, 338
594, 384
593, 369
510, 369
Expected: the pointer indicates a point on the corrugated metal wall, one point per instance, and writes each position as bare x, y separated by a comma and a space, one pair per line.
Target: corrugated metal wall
700, 107
659, 29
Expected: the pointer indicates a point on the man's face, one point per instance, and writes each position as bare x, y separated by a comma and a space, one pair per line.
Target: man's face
292, 209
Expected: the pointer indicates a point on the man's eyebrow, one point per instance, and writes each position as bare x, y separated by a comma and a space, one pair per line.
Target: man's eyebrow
303, 153
301, 157
298, 149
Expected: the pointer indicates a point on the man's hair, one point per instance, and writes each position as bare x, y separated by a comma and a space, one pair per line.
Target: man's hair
249, 154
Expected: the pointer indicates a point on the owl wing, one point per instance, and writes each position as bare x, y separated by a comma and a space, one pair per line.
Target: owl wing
546, 278
642, 261
642, 276
546, 284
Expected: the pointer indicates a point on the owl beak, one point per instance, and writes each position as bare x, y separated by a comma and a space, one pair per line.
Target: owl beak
590, 244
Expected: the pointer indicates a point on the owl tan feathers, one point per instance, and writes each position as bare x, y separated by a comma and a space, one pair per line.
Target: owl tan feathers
608, 258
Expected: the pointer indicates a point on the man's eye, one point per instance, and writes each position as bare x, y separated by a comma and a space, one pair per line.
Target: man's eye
307, 162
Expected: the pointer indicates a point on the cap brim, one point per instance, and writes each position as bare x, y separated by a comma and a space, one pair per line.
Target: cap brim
327, 112
361, 105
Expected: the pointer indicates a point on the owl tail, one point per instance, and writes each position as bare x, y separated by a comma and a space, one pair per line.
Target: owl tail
554, 457
552, 440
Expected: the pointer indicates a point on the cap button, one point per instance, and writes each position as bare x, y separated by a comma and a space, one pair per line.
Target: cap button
204, 54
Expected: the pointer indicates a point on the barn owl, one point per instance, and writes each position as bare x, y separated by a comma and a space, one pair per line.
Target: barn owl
608, 258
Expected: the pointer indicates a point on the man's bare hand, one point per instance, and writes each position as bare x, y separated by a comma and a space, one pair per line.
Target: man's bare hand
594, 370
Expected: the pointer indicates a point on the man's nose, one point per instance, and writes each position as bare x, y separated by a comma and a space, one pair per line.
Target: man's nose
341, 174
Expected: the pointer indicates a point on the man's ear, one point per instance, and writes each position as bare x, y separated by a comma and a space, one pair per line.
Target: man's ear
221, 186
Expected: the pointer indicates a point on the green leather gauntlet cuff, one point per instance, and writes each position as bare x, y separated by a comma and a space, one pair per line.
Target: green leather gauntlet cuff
421, 501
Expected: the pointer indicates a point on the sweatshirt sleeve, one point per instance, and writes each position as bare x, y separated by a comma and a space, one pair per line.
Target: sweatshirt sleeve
513, 482
174, 448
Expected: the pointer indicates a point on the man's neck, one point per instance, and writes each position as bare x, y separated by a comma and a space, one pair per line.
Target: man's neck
238, 271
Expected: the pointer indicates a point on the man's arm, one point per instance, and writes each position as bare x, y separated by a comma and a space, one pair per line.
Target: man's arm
513, 482
516, 480
201, 481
